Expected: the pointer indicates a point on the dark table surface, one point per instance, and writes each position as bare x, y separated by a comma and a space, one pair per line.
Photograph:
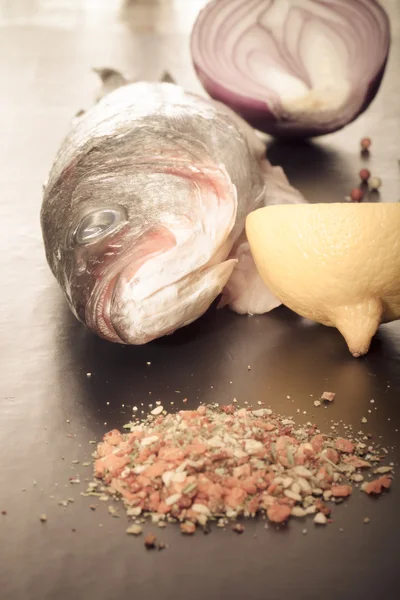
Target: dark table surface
50, 408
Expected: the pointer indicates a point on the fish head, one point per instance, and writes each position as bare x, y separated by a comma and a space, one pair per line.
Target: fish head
153, 259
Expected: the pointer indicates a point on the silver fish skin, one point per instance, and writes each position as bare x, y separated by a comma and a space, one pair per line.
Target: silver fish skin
144, 211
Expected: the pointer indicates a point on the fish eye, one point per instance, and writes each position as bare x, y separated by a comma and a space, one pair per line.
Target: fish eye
98, 224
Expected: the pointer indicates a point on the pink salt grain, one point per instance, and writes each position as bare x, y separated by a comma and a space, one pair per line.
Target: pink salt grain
341, 491
344, 445
188, 527
377, 485
278, 513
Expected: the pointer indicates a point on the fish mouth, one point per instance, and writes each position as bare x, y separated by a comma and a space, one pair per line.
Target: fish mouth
98, 312
120, 316
136, 320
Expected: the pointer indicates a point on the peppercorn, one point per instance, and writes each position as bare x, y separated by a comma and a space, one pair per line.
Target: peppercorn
356, 195
364, 175
374, 184
365, 144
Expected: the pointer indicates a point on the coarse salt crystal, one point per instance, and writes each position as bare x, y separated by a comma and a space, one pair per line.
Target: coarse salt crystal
179, 477
286, 482
201, 508
310, 510
202, 519
155, 517
297, 511
382, 470
304, 485
167, 477
292, 495
157, 411
320, 519
181, 467
149, 440
302, 471
173, 499
139, 469
296, 488
252, 446
125, 473
239, 453
134, 530
215, 442
135, 511
260, 412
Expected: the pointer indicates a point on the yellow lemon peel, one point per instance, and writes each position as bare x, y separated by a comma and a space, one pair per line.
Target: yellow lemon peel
337, 264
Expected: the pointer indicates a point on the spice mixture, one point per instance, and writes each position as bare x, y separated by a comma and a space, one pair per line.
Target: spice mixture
215, 464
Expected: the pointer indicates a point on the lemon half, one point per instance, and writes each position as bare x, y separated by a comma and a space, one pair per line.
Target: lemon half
338, 264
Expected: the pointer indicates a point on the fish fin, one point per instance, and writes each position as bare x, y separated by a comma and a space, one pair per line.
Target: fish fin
278, 190
245, 292
111, 79
166, 77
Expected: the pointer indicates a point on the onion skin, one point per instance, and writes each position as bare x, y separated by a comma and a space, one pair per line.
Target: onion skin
266, 115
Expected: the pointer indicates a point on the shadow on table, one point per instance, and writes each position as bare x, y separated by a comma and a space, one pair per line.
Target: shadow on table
319, 172
196, 362
312, 359
208, 362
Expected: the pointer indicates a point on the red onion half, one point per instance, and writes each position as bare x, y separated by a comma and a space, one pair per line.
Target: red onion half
292, 67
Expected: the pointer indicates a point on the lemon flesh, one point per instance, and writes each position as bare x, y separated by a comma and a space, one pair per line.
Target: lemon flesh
337, 264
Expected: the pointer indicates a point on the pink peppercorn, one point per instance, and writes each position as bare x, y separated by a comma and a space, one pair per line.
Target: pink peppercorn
365, 143
356, 195
364, 175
